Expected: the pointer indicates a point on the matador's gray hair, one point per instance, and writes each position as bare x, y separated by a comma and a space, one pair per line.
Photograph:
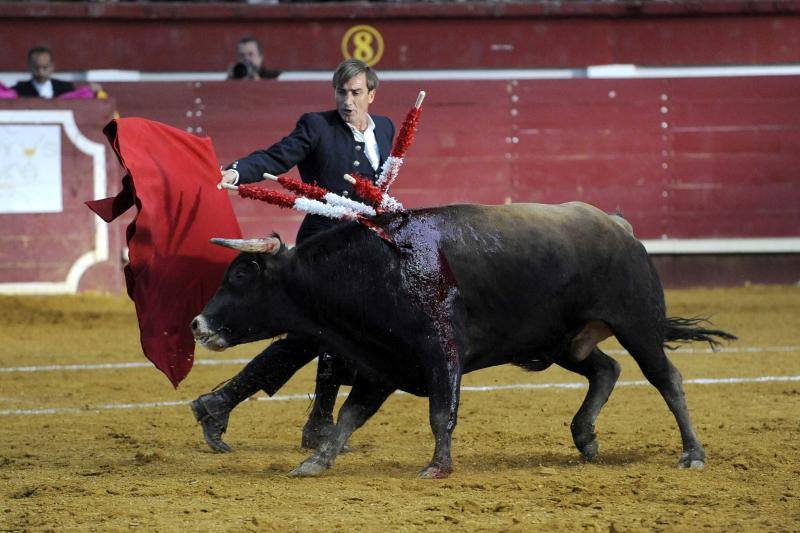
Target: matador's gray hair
350, 68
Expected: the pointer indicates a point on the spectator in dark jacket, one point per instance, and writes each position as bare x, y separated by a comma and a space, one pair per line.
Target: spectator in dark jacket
250, 62
41, 84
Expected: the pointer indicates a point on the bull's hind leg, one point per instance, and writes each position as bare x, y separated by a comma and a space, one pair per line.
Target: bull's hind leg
444, 387
602, 372
363, 401
659, 370
443, 418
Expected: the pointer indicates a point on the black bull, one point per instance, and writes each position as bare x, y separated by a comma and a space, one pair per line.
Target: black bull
464, 287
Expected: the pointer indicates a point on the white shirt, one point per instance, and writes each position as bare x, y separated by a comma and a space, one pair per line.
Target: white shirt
45, 89
370, 142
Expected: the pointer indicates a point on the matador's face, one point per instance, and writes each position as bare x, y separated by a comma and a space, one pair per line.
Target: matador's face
353, 99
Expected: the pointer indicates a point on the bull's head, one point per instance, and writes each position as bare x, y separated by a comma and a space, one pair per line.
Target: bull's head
238, 312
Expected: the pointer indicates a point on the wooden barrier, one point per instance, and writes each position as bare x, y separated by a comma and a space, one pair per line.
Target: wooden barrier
705, 167
681, 158
49, 241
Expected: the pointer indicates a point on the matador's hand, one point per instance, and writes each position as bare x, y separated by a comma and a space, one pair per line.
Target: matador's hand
227, 177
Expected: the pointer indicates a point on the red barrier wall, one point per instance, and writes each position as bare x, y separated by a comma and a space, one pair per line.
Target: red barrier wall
681, 158
202, 37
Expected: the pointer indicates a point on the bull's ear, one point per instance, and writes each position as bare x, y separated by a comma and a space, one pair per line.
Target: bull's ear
270, 245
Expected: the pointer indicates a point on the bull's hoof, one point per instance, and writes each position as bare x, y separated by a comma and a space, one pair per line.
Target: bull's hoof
435, 472
695, 460
589, 450
696, 465
585, 440
211, 411
308, 468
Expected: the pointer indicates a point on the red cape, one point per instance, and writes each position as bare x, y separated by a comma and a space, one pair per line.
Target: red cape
171, 177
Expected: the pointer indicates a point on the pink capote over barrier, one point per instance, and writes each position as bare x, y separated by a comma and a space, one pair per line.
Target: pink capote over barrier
7, 93
171, 177
81, 93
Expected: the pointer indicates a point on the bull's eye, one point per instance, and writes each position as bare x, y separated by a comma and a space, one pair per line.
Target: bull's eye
243, 273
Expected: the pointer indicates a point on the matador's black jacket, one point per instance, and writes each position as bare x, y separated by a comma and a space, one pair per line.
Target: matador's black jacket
324, 150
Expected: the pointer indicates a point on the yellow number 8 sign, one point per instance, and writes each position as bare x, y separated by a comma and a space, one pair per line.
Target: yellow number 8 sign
363, 42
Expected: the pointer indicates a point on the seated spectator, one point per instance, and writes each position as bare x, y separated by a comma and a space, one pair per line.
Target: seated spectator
41, 85
250, 62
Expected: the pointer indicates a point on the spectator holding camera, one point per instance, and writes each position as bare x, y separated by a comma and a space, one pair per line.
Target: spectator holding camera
250, 62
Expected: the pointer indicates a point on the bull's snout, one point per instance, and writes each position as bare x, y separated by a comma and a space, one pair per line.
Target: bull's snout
200, 328
206, 336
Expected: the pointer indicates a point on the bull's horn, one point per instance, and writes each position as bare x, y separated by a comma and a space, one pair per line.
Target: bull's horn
270, 245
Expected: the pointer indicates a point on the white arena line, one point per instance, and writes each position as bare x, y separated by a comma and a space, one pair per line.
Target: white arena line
480, 388
711, 351
218, 362
114, 366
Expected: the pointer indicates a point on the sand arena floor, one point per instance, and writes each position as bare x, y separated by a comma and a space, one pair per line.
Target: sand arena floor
81, 449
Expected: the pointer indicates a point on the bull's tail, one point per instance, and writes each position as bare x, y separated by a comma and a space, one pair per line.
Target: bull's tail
677, 329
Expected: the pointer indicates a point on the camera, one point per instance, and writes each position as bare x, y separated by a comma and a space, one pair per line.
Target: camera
242, 70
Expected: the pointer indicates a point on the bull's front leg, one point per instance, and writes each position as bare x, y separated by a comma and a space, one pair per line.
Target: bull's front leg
331, 373
444, 391
364, 400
